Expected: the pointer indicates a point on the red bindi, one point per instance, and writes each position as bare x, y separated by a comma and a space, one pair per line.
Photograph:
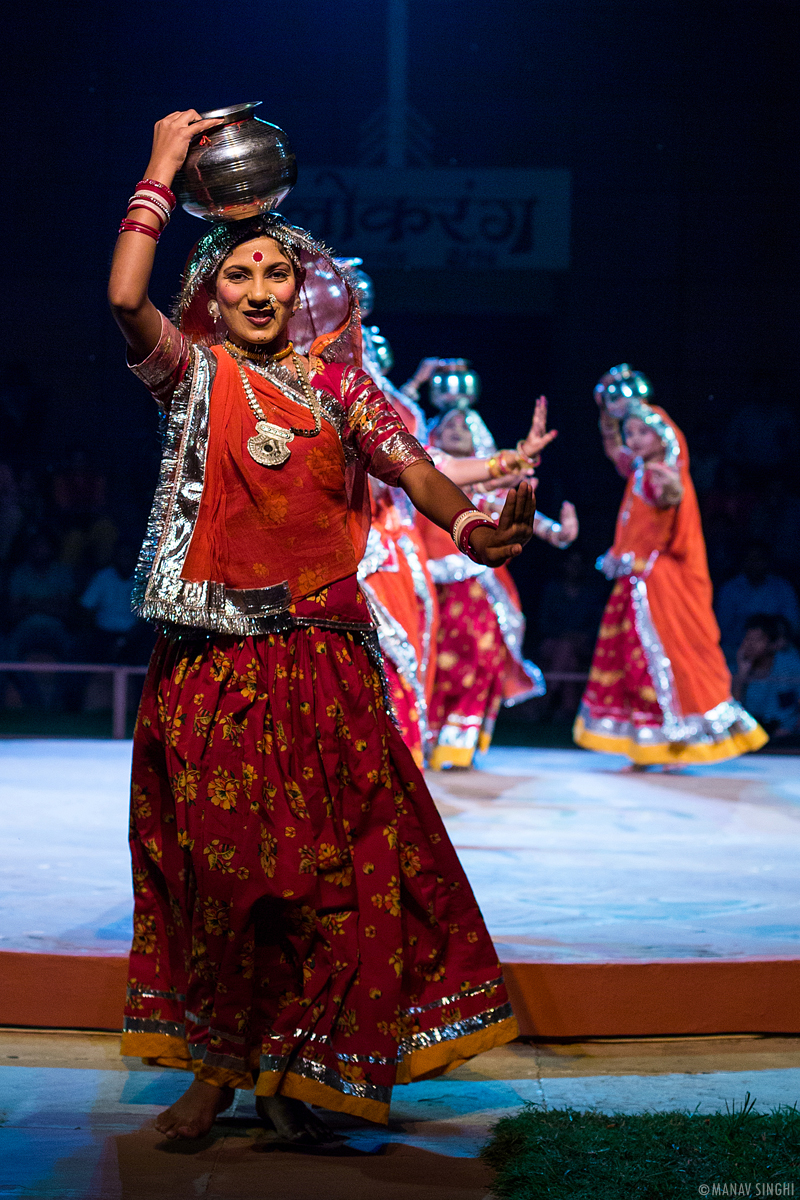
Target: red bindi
257, 256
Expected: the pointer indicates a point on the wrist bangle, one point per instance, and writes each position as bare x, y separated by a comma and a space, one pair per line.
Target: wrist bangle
154, 199
161, 188
127, 226
463, 525
158, 212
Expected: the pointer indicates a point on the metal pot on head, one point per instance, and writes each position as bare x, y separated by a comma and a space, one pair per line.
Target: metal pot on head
241, 168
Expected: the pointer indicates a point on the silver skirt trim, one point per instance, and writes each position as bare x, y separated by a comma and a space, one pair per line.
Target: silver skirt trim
395, 645
701, 729
659, 666
175, 1029
332, 1079
449, 1033
151, 994
222, 1062
422, 589
448, 1000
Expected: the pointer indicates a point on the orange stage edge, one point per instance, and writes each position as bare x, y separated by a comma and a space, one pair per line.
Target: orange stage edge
551, 1000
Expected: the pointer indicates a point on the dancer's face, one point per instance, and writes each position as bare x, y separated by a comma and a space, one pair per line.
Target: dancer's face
454, 437
642, 441
256, 291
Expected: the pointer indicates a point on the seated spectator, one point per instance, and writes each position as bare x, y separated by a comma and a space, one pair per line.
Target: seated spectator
753, 590
568, 618
767, 679
117, 635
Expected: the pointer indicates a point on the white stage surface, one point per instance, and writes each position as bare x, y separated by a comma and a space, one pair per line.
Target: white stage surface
571, 861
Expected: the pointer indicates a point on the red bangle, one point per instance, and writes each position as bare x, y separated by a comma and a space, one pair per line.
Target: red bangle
127, 226
470, 508
140, 202
161, 188
464, 545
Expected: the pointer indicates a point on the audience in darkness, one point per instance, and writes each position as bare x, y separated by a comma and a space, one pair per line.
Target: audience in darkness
754, 590
767, 676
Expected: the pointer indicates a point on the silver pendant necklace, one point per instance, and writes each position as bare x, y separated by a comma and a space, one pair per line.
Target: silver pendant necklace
269, 446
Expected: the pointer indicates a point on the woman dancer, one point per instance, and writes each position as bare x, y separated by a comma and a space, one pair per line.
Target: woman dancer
301, 919
479, 662
394, 572
659, 690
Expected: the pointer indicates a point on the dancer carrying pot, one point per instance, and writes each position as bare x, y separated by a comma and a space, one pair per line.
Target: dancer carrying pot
479, 660
301, 921
394, 572
659, 690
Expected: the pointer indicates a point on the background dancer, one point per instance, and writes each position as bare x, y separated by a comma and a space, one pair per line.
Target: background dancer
659, 690
394, 570
301, 918
479, 660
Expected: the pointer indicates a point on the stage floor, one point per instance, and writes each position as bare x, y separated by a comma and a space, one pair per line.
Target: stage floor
571, 861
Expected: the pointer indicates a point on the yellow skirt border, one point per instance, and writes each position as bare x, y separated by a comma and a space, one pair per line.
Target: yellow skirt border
438, 1059
669, 753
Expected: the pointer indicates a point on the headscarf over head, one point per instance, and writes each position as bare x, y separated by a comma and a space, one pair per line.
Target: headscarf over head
328, 324
624, 393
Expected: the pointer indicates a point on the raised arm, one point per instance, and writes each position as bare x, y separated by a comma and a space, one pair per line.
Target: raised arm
132, 264
613, 444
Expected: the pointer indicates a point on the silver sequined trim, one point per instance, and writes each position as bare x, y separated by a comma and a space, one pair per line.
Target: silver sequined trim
449, 1033
395, 645
448, 1000
175, 1029
223, 1062
659, 666
702, 729
454, 568
151, 994
422, 589
332, 1079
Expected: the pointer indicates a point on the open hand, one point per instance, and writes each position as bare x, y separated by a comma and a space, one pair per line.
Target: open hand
538, 437
171, 138
495, 545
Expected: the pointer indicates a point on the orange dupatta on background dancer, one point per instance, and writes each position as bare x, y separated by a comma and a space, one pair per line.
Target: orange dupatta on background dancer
659, 690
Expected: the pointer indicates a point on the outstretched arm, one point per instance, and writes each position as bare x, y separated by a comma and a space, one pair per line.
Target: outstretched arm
441, 501
132, 264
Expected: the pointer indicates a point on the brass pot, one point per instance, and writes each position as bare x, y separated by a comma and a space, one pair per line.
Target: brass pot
239, 169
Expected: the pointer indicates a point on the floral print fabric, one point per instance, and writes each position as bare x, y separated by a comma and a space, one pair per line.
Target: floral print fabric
301, 917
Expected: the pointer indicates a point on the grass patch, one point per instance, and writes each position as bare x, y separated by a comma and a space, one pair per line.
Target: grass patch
648, 1156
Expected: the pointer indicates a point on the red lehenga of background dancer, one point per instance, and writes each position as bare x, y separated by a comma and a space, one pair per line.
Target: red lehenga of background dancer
659, 690
302, 923
479, 660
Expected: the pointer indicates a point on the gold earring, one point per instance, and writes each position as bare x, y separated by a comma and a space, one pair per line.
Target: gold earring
213, 309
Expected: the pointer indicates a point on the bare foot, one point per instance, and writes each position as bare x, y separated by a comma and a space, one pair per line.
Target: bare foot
294, 1121
193, 1115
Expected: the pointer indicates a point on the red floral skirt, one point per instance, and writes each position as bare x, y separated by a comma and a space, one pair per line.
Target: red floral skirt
302, 920
473, 671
